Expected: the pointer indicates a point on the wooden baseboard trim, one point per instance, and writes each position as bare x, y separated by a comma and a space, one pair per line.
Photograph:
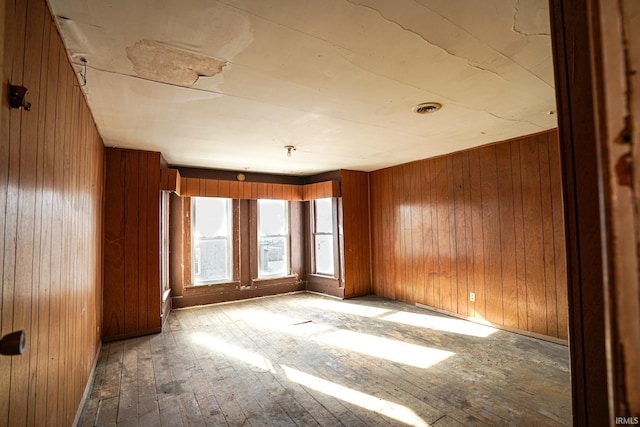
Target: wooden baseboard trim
88, 386
132, 334
322, 294
497, 326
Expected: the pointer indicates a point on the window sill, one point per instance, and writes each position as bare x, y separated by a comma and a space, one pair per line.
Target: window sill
204, 285
322, 276
272, 278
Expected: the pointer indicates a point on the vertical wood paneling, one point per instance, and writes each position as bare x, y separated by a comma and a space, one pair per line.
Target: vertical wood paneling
407, 250
491, 228
377, 239
417, 231
398, 233
382, 221
453, 276
430, 232
234, 189
14, 58
389, 236
205, 187
486, 220
51, 163
131, 237
114, 247
24, 309
460, 234
45, 235
533, 236
521, 279
559, 240
507, 236
39, 306
478, 286
132, 243
153, 206
355, 208
547, 239
468, 222
145, 214
443, 226
210, 188
223, 189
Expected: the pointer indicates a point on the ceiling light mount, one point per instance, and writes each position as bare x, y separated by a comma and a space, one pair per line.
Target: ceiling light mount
427, 107
289, 149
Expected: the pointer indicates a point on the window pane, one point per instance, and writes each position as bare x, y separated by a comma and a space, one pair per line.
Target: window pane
273, 217
273, 256
211, 217
211, 261
324, 254
211, 240
324, 216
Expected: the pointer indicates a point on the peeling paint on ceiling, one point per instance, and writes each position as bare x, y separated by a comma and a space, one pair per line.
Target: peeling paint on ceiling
228, 83
165, 64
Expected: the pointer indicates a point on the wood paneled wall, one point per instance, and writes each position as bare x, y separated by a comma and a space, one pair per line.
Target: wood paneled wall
487, 220
51, 183
355, 219
131, 304
321, 190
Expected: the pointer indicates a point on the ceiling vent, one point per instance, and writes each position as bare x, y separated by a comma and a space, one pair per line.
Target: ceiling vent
427, 107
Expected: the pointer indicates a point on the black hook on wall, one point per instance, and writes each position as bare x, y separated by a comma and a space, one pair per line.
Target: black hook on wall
16, 97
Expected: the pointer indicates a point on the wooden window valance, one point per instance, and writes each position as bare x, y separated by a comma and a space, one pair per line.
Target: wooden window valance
202, 187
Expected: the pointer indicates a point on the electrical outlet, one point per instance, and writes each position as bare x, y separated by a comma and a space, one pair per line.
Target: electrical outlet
472, 296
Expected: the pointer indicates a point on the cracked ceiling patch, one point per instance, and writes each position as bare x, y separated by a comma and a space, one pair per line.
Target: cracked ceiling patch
531, 18
471, 63
166, 64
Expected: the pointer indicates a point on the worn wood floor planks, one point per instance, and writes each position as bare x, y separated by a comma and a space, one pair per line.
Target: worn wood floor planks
307, 360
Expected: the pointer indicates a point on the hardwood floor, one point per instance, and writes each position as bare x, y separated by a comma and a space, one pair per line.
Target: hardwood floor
305, 359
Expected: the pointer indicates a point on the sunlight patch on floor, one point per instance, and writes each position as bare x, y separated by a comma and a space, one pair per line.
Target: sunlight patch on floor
385, 348
347, 308
440, 323
250, 358
265, 318
375, 404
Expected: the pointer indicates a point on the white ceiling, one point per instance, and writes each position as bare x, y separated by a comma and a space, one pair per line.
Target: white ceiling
227, 84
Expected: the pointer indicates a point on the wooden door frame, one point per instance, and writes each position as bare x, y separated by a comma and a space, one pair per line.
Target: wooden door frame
593, 88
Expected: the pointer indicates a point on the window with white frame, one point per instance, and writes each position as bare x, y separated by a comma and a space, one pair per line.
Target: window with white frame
211, 232
323, 237
273, 238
